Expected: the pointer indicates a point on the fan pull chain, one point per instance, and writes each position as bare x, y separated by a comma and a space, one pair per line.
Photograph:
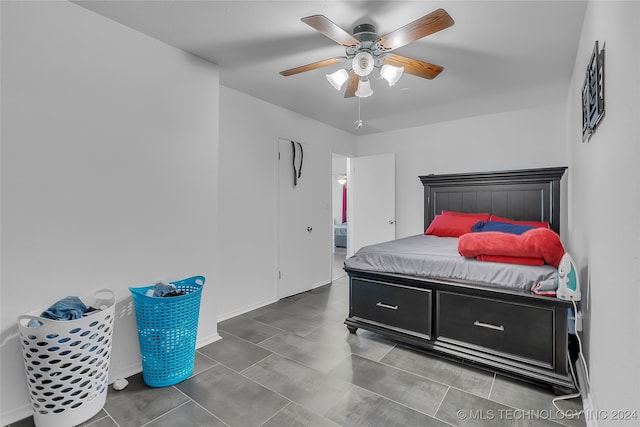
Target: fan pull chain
358, 122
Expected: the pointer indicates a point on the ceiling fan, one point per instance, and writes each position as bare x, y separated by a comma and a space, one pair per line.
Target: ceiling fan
367, 50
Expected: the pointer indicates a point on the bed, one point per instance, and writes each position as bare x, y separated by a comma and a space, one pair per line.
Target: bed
495, 322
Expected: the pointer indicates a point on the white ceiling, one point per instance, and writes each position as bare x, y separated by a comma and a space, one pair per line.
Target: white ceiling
498, 56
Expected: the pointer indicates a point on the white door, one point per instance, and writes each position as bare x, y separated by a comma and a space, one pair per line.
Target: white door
304, 210
371, 200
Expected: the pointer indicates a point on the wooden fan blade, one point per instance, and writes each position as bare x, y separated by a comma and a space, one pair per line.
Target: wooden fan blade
313, 66
414, 66
324, 25
352, 85
435, 21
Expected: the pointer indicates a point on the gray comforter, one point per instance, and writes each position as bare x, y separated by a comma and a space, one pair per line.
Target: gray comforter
437, 258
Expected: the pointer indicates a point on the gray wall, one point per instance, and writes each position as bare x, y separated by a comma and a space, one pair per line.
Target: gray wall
604, 201
109, 173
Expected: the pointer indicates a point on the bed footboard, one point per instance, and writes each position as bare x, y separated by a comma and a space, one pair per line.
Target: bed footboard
516, 333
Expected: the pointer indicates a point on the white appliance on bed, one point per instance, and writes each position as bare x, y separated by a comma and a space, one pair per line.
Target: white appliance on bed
568, 283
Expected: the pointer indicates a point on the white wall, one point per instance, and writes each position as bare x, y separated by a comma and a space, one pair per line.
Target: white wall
249, 129
513, 140
604, 234
109, 173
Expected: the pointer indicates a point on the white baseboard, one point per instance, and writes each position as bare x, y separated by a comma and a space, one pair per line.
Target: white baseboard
208, 340
246, 309
321, 283
16, 414
124, 372
585, 392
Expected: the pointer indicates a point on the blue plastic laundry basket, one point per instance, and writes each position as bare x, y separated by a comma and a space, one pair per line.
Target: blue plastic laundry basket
167, 329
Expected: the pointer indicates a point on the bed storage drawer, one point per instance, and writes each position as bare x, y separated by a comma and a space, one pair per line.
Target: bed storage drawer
524, 331
395, 306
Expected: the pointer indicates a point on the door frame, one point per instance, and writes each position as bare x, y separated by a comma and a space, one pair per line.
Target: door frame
333, 177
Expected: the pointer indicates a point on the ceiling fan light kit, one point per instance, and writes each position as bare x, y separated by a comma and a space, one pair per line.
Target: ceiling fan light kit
364, 89
338, 78
362, 64
391, 74
365, 50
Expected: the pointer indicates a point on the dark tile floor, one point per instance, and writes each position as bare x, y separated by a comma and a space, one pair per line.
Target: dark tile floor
293, 363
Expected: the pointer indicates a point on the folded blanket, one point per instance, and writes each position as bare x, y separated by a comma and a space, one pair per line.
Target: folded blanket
546, 288
538, 243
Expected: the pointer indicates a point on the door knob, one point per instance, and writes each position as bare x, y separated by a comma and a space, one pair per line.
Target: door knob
391, 221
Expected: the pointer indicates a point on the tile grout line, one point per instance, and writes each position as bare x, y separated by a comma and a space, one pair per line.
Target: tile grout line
197, 403
109, 416
170, 410
267, 339
291, 402
493, 381
510, 406
277, 412
400, 403
287, 314
257, 321
252, 365
298, 361
442, 400
285, 397
208, 357
387, 353
265, 387
258, 343
427, 378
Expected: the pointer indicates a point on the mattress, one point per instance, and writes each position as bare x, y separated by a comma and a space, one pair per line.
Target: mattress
437, 258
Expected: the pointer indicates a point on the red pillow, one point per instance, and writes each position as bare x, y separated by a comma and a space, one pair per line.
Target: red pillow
479, 216
451, 225
529, 223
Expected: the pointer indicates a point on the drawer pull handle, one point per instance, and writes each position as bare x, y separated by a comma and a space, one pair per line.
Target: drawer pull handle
489, 326
390, 307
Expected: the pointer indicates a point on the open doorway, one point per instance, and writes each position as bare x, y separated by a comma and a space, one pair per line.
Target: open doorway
340, 214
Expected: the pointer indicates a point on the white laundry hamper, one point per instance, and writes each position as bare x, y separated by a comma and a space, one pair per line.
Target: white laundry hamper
67, 362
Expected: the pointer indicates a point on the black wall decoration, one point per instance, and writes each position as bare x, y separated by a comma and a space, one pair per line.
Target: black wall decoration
593, 93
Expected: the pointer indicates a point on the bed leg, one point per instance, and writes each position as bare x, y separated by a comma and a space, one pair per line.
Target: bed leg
352, 329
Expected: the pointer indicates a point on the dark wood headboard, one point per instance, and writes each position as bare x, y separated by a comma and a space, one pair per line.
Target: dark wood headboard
525, 195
